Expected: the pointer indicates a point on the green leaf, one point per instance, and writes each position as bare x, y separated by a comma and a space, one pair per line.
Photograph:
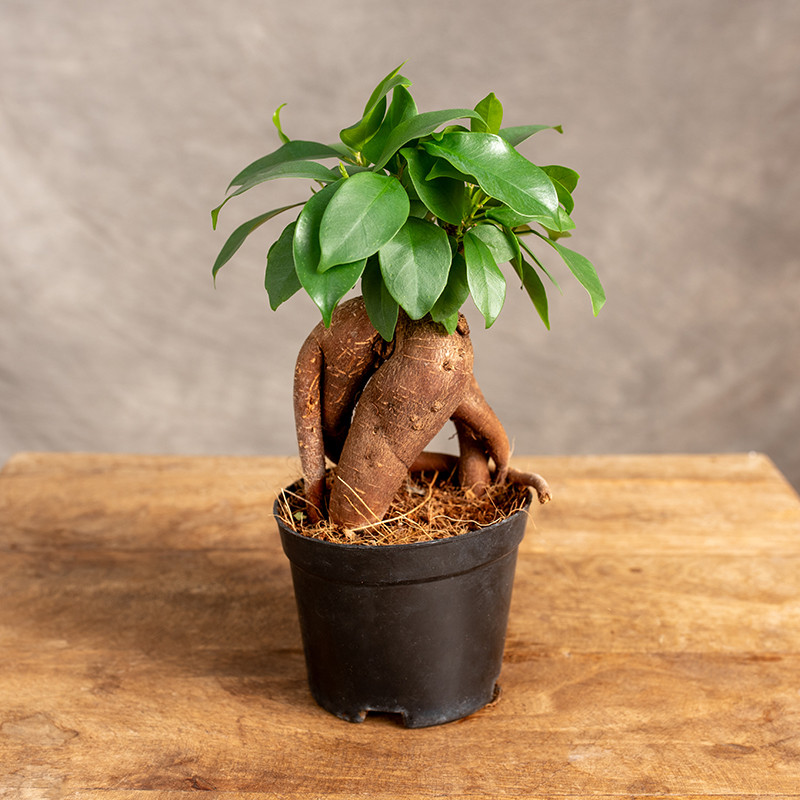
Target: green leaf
565, 223
487, 285
418, 126
401, 108
382, 308
535, 288
415, 265
418, 209
538, 263
326, 289
453, 295
497, 241
501, 172
276, 121
567, 177
444, 169
297, 150
507, 216
280, 278
491, 111
519, 133
292, 169
365, 212
450, 324
583, 270
444, 197
236, 239
565, 180
385, 86
357, 135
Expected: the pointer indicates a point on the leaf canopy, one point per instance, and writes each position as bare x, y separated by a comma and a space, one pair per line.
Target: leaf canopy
418, 207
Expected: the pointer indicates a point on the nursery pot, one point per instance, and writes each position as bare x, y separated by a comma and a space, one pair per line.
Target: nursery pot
412, 629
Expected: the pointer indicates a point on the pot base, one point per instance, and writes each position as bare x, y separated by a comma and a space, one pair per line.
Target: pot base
411, 719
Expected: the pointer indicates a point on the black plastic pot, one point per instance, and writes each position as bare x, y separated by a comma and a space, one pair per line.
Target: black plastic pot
416, 629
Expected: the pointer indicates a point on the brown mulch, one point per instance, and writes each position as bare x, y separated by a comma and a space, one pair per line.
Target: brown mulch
429, 506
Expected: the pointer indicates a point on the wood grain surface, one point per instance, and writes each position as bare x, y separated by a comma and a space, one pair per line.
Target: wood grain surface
149, 646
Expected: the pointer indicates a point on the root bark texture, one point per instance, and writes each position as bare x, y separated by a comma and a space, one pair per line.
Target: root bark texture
371, 407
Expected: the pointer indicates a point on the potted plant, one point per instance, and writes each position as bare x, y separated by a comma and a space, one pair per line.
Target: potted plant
419, 210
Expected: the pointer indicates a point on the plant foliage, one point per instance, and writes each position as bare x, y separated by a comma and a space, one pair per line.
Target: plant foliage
420, 209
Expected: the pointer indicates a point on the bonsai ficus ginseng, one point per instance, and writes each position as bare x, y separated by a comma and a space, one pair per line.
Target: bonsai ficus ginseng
420, 210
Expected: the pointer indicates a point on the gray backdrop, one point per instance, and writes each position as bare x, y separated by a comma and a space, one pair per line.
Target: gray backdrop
121, 124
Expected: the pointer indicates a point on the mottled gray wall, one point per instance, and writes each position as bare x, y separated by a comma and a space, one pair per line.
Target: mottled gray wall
122, 122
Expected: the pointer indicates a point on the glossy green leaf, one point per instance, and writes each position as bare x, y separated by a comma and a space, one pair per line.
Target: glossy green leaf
276, 121
519, 133
415, 264
487, 285
491, 111
297, 150
366, 211
418, 126
456, 291
392, 80
538, 263
535, 288
565, 180
507, 216
418, 209
280, 277
326, 289
292, 169
450, 324
559, 224
382, 309
497, 241
401, 108
444, 169
235, 240
567, 177
444, 197
583, 270
565, 222
501, 172
357, 135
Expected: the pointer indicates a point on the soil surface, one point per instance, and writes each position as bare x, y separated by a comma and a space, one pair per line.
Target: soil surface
428, 506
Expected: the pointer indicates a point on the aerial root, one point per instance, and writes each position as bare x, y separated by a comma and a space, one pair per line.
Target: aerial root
532, 479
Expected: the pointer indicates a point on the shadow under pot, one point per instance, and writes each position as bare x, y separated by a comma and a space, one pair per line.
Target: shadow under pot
411, 629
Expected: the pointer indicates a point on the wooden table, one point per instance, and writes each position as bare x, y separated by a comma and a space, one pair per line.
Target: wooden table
149, 645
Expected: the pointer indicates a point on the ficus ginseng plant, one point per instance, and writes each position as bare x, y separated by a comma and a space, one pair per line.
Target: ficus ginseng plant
421, 210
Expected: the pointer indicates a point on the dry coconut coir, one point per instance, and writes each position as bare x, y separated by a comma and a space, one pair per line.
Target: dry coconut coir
428, 506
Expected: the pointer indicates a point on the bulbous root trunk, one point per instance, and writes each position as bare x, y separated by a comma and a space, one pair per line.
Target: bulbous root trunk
372, 407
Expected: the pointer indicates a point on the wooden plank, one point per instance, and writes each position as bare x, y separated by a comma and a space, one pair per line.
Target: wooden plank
149, 645
565, 725
736, 503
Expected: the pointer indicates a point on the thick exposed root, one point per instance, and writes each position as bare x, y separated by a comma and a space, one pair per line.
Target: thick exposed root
407, 401
332, 369
372, 407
